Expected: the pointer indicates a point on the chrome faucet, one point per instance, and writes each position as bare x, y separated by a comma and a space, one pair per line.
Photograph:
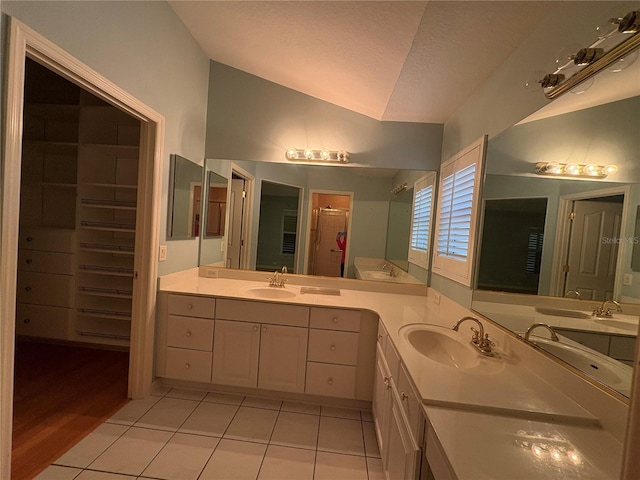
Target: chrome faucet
575, 292
278, 280
479, 340
603, 311
554, 336
392, 271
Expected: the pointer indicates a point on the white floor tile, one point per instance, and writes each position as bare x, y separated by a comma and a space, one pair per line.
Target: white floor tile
185, 394
91, 475
332, 466
133, 411
168, 414
223, 398
300, 408
233, 460
287, 463
366, 415
183, 458
209, 419
370, 440
56, 472
258, 402
92, 446
340, 435
252, 424
132, 452
374, 468
296, 430
341, 413
158, 389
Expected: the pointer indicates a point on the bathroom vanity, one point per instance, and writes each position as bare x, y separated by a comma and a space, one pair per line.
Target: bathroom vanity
458, 415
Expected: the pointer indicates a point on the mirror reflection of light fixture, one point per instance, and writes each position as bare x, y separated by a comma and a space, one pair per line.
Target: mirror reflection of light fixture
573, 170
398, 189
612, 45
310, 155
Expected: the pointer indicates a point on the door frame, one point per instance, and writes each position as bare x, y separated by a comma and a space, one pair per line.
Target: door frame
25, 42
309, 225
563, 227
247, 215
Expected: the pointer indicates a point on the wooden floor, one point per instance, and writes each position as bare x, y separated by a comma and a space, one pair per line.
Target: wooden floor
61, 394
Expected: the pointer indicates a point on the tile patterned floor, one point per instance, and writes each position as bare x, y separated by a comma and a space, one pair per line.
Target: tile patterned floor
181, 434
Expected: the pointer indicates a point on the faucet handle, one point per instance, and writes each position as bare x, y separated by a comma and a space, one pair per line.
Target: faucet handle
476, 335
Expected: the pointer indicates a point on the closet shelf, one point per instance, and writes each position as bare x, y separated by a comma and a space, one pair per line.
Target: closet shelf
108, 226
98, 313
99, 247
106, 292
50, 184
110, 185
112, 204
103, 335
102, 270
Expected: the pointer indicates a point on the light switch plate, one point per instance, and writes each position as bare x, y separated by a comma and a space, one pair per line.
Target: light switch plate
627, 279
162, 254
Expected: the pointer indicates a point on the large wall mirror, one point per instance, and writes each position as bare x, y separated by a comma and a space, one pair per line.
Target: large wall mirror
293, 212
185, 193
554, 249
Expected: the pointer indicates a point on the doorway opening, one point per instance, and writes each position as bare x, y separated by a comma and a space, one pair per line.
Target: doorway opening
329, 226
240, 206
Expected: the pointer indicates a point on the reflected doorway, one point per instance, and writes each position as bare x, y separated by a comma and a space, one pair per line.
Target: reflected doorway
240, 201
328, 234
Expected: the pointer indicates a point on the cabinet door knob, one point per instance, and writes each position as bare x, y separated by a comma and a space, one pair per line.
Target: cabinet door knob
333, 348
187, 365
29, 261
188, 333
334, 319
26, 320
330, 381
387, 382
404, 396
29, 239
255, 328
189, 306
264, 329
28, 289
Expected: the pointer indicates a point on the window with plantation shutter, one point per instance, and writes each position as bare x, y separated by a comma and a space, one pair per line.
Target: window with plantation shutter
421, 220
457, 213
289, 228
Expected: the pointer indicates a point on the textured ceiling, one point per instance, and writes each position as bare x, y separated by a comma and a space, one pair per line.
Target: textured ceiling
393, 60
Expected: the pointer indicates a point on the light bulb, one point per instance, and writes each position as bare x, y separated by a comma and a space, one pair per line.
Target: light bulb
582, 86
553, 167
572, 169
556, 455
325, 155
292, 153
592, 169
537, 451
308, 154
533, 83
574, 457
623, 63
610, 169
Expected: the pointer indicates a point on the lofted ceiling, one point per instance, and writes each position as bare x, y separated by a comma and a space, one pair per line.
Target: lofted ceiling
413, 61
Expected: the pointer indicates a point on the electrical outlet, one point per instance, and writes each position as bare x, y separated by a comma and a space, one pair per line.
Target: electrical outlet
627, 279
162, 254
211, 273
436, 298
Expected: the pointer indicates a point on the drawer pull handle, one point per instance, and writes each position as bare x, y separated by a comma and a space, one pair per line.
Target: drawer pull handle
189, 306
264, 329
333, 348
404, 396
28, 289
330, 381
26, 320
187, 366
255, 328
29, 261
188, 333
334, 319
29, 239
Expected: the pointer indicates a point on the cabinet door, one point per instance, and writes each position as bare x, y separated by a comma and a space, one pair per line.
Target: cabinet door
283, 358
381, 403
402, 452
235, 353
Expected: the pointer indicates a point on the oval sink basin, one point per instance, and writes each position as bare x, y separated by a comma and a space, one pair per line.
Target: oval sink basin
448, 347
377, 275
271, 292
560, 312
598, 366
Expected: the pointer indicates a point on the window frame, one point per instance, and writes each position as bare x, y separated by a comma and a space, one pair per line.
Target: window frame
418, 256
460, 270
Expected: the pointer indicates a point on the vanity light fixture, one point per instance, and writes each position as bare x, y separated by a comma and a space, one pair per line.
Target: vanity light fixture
310, 155
581, 170
617, 43
398, 189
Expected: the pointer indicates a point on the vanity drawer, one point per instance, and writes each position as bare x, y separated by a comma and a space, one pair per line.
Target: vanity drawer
44, 289
262, 312
393, 359
189, 332
330, 380
193, 365
41, 321
333, 347
46, 262
335, 319
50, 240
411, 404
191, 306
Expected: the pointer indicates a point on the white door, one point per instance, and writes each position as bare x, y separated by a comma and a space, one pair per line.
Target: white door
381, 403
283, 358
328, 254
593, 249
235, 353
234, 239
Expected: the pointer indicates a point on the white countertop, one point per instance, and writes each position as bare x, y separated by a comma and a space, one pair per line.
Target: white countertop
520, 397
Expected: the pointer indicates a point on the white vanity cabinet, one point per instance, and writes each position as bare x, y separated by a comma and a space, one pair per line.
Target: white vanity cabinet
189, 338
260, 345
397, 414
